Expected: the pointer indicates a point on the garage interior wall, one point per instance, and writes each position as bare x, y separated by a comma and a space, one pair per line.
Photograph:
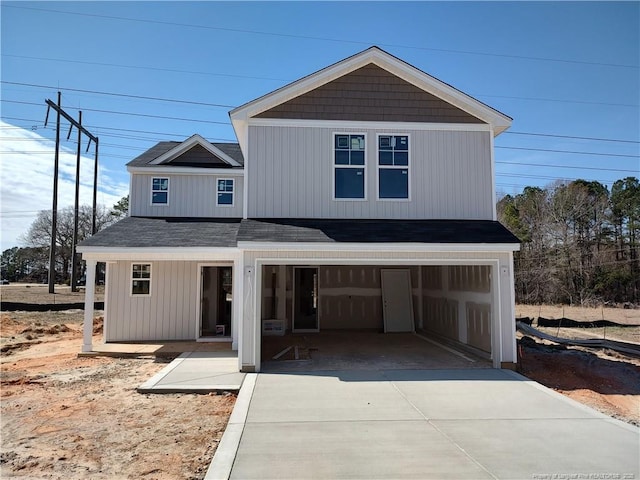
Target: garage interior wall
350, 296
457, 303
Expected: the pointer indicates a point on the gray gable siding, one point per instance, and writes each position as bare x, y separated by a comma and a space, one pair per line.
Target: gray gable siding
370, 93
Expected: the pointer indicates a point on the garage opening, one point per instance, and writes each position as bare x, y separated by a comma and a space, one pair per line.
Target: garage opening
410, 316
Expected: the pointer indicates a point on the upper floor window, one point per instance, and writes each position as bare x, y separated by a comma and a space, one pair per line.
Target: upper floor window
349, 166
393, 166
225, 191
160, 191
141, 279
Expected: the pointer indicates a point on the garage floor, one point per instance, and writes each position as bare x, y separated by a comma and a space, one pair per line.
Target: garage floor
358, 350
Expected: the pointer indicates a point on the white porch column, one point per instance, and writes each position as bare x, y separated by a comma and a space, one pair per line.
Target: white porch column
89, 298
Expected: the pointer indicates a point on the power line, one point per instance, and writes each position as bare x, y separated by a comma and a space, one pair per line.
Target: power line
116, 112
325, 39
140, 67
614, 140
96, 92
571, 137
569, 151
583, 102
126, 95
546, 165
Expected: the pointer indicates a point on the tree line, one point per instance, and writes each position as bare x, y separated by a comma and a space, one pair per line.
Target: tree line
31, 263
579, 242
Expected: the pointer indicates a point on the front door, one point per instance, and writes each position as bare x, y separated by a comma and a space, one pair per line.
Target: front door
397, 305
215, 302
305, 299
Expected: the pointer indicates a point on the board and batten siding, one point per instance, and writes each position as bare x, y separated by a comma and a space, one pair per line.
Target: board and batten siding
291, 175
189, 196
169, 313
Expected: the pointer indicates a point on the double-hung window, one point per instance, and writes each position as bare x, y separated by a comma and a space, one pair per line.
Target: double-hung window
141, 279
159, 191
225, 191
393, 166
349, 166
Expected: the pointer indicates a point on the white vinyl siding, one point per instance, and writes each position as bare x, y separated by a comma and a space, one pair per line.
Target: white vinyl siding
191, 196
290, 175
168, 313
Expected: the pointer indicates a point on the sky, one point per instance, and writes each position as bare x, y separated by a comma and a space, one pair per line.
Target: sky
568, 73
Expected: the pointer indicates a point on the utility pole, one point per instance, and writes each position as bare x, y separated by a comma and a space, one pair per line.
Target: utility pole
81, 130
74, 266
54, 207
94, 228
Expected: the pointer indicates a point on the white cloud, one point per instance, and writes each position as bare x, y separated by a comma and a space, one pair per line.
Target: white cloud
26, 181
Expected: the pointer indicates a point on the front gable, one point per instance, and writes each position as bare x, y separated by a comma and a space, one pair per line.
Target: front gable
372, 85
196, 152
370, 93
198, 156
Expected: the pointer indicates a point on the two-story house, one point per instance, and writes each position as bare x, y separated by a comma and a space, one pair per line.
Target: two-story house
359, 197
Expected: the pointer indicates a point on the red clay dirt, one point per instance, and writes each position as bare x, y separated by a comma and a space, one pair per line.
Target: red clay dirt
65, 417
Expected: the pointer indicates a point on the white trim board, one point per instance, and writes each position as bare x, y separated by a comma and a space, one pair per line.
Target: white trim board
368, 125
381, 247
169, 170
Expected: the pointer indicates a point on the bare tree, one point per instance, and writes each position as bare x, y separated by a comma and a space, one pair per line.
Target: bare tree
39, 233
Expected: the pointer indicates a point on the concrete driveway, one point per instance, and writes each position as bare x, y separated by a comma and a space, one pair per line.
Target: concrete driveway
418, 424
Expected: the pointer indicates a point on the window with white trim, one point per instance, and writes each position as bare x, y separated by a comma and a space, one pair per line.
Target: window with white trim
349, 166
140, 279
393, 167
159, 191
225, 191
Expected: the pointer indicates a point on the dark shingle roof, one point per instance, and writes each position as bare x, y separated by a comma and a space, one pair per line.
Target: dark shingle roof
134, 232
374, 231
144, 159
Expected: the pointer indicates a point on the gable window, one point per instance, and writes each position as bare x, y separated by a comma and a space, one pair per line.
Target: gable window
225, 191
160, 191
140, 279
393, 167
349, 166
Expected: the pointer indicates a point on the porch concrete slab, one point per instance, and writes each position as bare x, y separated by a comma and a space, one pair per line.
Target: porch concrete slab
199, 372
157, 349
381, 424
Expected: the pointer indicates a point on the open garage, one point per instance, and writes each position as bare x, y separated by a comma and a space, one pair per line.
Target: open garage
316, 317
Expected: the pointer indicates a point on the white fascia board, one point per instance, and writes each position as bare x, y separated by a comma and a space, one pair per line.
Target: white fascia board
315, 261
409, 73
381, 247
106, 254
338, 124
160, 169
189, 143
241, 129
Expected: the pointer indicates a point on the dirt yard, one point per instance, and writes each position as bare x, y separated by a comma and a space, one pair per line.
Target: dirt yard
65, 417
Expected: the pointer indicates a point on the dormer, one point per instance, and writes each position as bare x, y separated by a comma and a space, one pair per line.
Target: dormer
194, 178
